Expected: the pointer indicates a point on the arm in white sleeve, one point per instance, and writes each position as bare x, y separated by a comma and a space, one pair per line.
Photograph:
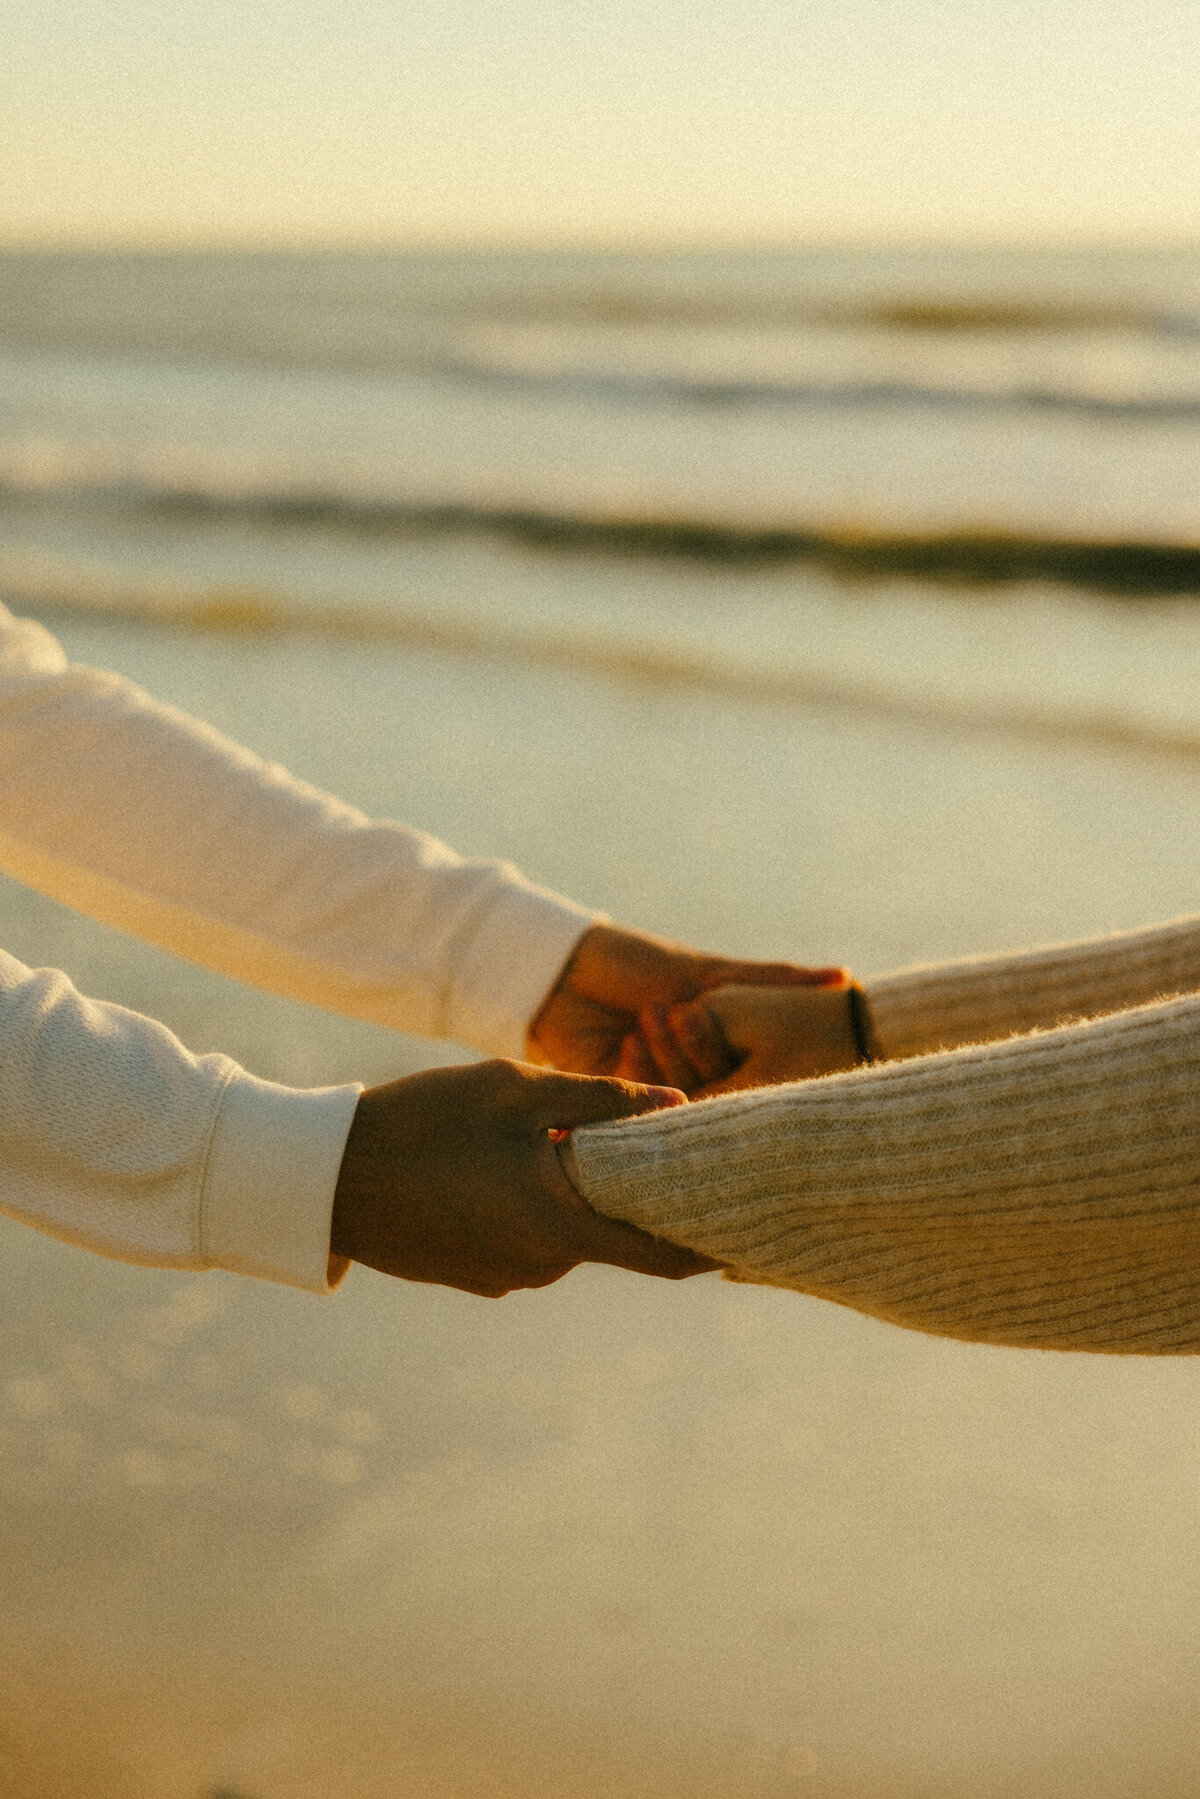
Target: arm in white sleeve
114, 1137
150, 821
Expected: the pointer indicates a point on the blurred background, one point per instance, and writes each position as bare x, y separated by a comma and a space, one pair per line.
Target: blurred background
742, 466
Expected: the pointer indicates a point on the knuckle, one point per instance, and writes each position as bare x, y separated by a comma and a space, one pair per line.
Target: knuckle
502, 1080
624, 1093
499, 1071
546, 1277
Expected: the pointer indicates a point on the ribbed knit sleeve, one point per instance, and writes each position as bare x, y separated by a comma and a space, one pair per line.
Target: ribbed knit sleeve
1043, 1191
981, 999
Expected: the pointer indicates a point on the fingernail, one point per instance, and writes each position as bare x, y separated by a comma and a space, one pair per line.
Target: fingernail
667, 1096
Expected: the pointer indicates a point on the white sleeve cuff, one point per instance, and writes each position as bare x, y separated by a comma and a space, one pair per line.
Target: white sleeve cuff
509, 966
266, 1207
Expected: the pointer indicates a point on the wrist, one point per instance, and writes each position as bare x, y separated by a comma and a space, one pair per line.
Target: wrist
862, 1025
352, 1191
270, 1173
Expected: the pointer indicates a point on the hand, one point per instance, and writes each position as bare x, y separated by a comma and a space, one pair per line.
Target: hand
612, 998
451, 1176
773, 1034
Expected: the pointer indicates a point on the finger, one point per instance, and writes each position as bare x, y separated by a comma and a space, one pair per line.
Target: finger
674, 1065
576, 1033
779, 974
561, 1101
619, 1245
701, 1038
635, 1063
593, 1237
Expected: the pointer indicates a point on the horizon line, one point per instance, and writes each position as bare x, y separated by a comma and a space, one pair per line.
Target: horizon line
564, 243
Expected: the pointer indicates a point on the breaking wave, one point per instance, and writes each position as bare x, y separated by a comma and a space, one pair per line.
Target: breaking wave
49, 587
912, 313
701, 391
958, 557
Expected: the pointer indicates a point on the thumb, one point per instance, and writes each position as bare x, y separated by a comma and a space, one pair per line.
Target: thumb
562, 1101
696, 1028
595, 1238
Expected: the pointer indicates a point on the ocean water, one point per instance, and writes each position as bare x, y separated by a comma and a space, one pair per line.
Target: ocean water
830, 606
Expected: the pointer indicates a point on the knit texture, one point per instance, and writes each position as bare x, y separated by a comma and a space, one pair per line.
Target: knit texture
1043, 1191
984, 998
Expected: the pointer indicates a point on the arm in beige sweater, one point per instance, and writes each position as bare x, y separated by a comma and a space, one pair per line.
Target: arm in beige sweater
1042, 1191
983, 998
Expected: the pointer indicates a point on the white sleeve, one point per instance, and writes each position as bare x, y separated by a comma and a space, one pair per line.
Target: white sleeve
131, 811
114, 1137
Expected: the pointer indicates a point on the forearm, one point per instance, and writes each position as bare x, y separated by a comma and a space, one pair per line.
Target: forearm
154, 823
113, 1137
1042, 1192
982, 999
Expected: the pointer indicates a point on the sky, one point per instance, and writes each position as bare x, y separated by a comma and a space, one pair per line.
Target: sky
622, 121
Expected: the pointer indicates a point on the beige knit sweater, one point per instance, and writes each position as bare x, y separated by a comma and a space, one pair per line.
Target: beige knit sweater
1004, 1176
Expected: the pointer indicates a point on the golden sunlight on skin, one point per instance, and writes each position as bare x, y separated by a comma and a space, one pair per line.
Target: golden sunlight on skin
431, 524
776, 1034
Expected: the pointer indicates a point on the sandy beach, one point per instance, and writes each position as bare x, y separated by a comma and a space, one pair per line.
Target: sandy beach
609, 1541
